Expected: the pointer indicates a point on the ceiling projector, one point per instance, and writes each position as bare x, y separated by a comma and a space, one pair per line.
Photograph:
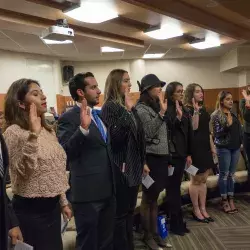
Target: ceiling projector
58, 32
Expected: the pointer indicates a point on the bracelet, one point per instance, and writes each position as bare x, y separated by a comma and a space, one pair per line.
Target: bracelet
33, 134
196, 112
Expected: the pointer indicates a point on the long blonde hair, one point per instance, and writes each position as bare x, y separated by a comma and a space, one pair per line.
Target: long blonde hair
112, 91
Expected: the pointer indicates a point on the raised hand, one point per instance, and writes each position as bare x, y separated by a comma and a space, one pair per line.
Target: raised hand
229, 119
129, 104
245, 95
85, 115
34, 120
178, 110
195, 105
163, 104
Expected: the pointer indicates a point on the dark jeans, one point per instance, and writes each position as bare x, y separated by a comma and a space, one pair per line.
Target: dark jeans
95, 224
246, 142
228, 159
40, 221
126, 198
174, 185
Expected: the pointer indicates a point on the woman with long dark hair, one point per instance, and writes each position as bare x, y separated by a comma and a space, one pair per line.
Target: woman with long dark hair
180, 146
151, 109
128, 149
203, 154
227, 138
37, 166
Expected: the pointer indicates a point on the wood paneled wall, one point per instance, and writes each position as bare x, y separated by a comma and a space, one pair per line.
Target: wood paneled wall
2, 97
210, 98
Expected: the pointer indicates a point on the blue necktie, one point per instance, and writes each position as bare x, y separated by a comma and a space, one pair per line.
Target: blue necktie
95, 113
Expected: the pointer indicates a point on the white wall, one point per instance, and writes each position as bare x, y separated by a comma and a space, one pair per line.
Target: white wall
46, 70
206, 72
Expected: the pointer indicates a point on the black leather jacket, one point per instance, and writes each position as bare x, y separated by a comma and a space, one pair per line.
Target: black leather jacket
221, 129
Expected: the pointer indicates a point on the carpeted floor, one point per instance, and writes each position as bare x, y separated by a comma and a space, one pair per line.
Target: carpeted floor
229, 231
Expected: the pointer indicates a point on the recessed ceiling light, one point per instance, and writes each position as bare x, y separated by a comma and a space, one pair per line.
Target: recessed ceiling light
208, 42
164, 32
47, 41
93, 12
156, 55
110, 49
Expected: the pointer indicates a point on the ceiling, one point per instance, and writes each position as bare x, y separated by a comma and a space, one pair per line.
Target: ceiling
21, 24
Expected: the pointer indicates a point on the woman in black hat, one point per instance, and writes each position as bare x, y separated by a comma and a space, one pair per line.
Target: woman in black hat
180, 146
151, 109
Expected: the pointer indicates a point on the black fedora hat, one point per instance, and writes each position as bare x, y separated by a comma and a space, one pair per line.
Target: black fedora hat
149, 81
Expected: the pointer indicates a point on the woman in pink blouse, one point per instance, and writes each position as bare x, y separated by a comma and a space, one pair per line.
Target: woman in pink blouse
37, 166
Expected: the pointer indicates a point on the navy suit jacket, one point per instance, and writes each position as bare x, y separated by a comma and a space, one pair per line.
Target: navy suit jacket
8, 219
89, 159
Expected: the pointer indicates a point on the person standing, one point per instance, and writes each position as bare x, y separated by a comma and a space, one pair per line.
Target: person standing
37, 166
86, 141
180, 146
245, 112
151, 109
227, 138
128, 148
9, 222
202, 156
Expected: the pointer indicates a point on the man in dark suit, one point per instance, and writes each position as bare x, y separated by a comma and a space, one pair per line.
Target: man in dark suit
86, 142
8, 221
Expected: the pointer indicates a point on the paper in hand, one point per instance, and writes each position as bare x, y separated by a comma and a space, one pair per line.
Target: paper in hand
64, 224
191, 170
147, 181
170, 171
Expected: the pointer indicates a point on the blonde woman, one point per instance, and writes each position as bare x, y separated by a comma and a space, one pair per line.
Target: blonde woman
228, 139
128, 148
203, 154
37, 166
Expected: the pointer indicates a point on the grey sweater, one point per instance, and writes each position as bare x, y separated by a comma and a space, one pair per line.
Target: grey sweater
155, 130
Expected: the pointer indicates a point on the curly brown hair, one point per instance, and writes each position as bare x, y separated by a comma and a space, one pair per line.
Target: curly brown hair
189, 93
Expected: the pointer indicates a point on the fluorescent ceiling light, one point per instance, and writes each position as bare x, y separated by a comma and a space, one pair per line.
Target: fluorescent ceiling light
110, 49
47, 41
157, 55
165, 32
210, 42
93, 12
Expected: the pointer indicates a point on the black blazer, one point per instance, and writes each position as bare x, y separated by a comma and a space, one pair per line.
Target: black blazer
127, 141
91, 174
180, 132
8, 219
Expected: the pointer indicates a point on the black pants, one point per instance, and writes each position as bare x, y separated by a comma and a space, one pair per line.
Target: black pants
246, 142
95, 224
174, 185
40, 221
126, 198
